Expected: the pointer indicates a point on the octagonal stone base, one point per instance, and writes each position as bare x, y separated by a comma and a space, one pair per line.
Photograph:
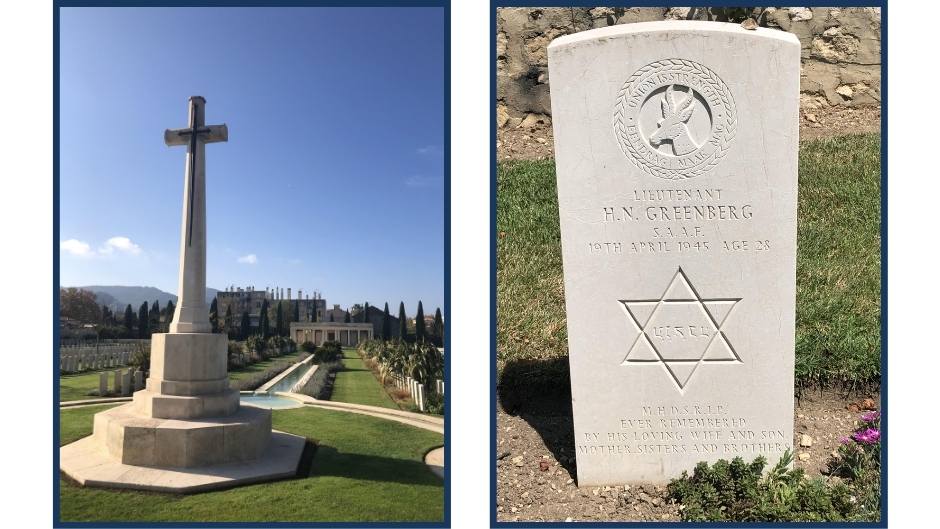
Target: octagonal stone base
135, 439
89, 463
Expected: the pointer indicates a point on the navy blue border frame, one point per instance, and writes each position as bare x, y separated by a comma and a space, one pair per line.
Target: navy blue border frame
494, 5
57, 4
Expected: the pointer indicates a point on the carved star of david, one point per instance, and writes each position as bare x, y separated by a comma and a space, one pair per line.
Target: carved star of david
679, 331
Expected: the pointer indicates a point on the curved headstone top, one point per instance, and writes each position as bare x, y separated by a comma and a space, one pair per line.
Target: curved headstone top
672, 26
676, 162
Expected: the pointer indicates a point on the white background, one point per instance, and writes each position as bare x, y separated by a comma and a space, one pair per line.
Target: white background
26, 472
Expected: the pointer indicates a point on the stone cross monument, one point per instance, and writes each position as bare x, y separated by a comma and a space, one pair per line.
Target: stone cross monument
186, 430
192, 314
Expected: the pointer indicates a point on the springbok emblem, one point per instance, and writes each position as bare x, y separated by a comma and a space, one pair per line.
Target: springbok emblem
673, 125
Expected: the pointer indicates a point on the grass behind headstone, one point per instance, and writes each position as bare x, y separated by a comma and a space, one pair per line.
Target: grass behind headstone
838, 270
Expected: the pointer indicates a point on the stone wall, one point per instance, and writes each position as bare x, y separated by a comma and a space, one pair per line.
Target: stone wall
841, 57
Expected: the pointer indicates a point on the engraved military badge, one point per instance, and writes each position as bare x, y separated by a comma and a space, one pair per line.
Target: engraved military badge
675, 119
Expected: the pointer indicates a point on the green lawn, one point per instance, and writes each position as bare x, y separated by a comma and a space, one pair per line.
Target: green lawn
77, 386
838, 266
258, 367
356, 384
365, 469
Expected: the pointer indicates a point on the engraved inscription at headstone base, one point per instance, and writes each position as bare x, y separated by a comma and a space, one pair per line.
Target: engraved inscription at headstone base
676, 158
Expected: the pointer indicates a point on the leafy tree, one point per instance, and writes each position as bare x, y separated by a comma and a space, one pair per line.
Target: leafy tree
129, 321
140, 357
214, 314
438, 328
78, 304
347, 318
263, 325
143, 321
229, 322
402, 322
365, 319
279, 321
246, 325
386, 324
419, 324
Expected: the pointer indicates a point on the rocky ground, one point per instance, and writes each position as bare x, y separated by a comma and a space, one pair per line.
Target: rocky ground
529, 137
535, 467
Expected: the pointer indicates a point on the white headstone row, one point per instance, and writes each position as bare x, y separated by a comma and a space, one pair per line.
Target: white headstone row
85, 360
124, 381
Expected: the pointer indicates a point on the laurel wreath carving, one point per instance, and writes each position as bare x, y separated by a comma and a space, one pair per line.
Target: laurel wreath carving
708, 77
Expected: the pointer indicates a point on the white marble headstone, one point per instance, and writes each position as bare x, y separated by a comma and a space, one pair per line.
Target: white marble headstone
676, 154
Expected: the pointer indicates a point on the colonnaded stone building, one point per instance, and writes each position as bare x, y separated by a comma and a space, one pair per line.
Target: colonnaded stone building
347, 334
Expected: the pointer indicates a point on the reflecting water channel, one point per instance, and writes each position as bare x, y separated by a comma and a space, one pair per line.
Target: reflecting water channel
267, 399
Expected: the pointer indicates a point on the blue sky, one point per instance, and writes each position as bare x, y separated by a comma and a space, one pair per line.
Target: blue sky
333, 175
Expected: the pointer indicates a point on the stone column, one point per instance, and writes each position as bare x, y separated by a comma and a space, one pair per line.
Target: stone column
102, 384
117, 381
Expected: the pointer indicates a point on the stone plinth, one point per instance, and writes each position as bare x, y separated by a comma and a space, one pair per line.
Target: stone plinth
160, 406
188, 364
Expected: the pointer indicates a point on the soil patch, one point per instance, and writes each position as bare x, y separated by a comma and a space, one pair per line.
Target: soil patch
535, 467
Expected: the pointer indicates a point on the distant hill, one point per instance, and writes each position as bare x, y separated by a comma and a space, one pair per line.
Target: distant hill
116, 297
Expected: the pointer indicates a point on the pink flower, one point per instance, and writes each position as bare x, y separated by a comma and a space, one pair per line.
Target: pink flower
869, 436
844, 440
871, 416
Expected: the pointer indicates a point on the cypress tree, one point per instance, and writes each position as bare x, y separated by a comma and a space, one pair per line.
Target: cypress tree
365, 319
402, 322
155, 316
214, 315
297, 310
229, 322
170, 312
129, 321
419, 324
347, 319
386, 324
246, 325
439, 327
263, 319
331, 315
143, 319
279, 321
